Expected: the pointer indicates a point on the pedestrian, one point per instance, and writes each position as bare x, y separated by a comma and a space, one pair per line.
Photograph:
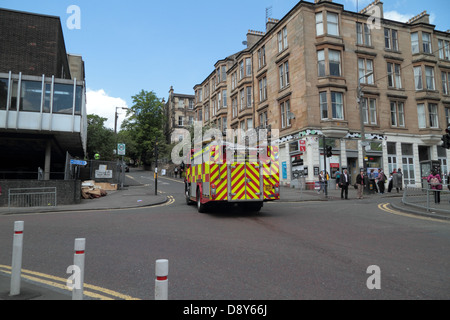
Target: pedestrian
344, 183
397, 180
321, 182
326, 178
338, 176
381, 181
435, 183
360, 184
373, 179
391, 183
400, 179
176, 171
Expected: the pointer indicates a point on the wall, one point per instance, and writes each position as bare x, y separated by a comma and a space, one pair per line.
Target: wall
68, 192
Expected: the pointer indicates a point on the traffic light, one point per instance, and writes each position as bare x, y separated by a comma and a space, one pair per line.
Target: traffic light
329, 152
446, 139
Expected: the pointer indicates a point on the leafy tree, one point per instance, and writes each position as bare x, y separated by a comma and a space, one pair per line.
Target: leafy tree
145, 125
99, 138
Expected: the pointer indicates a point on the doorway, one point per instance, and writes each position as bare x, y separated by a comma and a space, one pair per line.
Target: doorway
352, 168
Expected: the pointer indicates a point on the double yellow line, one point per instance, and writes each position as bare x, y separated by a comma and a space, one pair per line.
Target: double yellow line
386, 208
61, 283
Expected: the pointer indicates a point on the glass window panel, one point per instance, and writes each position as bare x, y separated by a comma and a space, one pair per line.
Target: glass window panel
390, 75
63, 98
337, 105
15, 86
323, 105
426, 41
332, 24
391, 148
398, 78
359, 33
367, 39
48, 93
31, 96
407, 149
393, 114
3, 93
418, 78
432, 112
394, 40
335, 62
415, 42
401, 114
319, 24
429, 72
421, 116
79, 100
321, 62
373, 111
387, 38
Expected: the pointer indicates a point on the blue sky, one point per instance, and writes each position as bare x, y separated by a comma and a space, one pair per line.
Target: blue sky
146, 44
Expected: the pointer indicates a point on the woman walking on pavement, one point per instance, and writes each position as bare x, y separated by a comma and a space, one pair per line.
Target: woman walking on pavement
360, 184
435, 182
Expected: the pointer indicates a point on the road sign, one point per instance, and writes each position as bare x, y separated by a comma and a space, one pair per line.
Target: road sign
78, 162
121, 149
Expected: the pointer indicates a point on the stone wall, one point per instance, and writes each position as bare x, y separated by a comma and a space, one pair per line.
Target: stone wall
67, 191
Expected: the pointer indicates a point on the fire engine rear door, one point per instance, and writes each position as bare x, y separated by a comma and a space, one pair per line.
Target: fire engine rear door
244, 181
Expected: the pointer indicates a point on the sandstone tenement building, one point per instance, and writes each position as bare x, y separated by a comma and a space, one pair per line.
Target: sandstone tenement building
312, 72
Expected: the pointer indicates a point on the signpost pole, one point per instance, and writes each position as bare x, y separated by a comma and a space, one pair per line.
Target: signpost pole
121, 150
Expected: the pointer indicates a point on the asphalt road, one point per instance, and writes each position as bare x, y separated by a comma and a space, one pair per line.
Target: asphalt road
307, 250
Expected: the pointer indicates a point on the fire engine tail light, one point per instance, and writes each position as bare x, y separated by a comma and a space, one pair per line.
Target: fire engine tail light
213, 191
277, 188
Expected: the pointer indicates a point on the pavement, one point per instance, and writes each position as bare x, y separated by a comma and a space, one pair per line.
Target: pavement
143, 196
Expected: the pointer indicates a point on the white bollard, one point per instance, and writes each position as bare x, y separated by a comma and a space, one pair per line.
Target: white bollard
162, 281
78, 261
17, 258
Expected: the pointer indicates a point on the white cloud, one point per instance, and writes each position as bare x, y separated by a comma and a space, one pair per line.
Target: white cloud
396, 16
99, 103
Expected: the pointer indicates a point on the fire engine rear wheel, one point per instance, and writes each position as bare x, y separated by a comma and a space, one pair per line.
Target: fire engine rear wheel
186, 193
200, 205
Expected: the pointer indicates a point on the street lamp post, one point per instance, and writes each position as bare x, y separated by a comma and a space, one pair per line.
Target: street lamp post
361, 118
156, 168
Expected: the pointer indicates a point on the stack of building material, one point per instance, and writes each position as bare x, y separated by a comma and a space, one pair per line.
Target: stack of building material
91, 190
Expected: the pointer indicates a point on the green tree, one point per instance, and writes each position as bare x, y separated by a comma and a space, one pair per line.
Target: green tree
99, 138
145, 125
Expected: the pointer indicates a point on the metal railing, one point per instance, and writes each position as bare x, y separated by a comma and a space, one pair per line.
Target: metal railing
32, 197
427, 198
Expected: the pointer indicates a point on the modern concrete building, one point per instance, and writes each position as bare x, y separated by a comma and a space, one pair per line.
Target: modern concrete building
42, 97
323, 71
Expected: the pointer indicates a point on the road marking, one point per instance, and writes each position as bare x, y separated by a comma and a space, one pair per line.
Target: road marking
182, 182
385, 207
61, 283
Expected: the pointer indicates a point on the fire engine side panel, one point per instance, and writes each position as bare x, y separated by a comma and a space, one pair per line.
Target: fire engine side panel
204, 176
271, 175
